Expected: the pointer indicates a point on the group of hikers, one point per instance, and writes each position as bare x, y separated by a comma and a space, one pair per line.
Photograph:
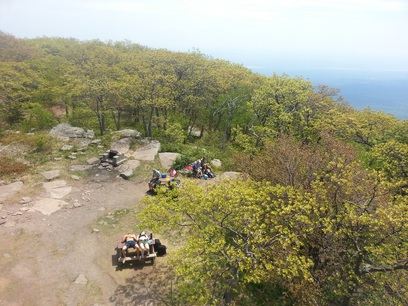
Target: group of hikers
156, 176
202, 169
199, 169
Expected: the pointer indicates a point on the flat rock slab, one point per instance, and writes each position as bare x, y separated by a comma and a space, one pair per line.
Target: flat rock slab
130, 165
93, 161
167, 159
230, 175
9, 190
48, 206
57, 189
148, 152
50, 175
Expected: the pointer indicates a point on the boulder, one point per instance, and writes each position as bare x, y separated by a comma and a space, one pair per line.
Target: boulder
126, 175
167, 159
129, 133
216, 163
50, 175
66, 130
122, 145
147, 152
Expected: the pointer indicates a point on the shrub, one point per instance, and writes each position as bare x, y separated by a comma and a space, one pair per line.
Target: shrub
9, 166
174, 133
181, 162
38, 118
42, 144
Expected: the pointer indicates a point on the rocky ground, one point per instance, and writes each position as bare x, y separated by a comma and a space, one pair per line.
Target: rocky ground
59, 230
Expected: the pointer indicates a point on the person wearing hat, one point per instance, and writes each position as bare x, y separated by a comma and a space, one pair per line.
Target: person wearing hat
155, 179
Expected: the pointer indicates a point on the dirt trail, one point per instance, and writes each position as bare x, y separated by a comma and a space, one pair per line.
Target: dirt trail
60, 259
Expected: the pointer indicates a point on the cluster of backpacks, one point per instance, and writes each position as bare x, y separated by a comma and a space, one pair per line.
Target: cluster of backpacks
160, 248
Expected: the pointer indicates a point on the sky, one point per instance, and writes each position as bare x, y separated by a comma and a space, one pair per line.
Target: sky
286, 34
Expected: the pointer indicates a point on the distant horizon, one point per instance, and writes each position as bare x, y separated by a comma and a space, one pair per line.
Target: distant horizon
283, 34
385, 90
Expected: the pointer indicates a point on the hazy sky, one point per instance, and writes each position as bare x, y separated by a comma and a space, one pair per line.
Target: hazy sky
369, 34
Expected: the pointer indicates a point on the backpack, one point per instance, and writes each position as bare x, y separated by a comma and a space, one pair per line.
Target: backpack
161, 250
156, 244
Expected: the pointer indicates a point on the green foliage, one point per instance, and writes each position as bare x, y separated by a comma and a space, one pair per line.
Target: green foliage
174, 134
181, 162
325, 244
11, 113
83, 117
43, 144
391, 158
264, 294
38, 118
174, 147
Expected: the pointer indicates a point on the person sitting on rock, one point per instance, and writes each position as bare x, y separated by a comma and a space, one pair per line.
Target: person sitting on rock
155, 179
130, 241
143, 244
197, 170
208, 170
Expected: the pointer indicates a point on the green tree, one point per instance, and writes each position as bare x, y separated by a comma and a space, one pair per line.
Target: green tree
391, 158
280, 107
341, 241
19, 83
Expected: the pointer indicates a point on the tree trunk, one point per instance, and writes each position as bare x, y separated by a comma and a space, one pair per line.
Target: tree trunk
150, 122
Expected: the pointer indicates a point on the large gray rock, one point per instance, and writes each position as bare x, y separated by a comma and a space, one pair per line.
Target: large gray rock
167, 159
129, 165
147, 152
66, 130
126, 175
129, 133
216, 163
230, 175
122, 145
194, 131
50, 175
127, 169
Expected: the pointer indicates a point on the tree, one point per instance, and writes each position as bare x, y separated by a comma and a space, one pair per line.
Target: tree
344, 240
19, 83
391, 158
366, 128
280, 107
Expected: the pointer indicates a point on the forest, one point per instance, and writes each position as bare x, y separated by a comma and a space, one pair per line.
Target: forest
321, 216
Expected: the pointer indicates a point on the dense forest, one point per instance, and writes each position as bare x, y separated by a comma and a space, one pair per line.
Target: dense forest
321, 217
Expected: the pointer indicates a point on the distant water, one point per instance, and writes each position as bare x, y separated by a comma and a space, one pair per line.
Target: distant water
383, 90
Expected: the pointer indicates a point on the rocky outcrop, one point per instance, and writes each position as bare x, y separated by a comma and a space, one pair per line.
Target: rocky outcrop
65, 130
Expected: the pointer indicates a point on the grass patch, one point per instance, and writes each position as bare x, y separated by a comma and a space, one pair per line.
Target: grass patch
114, 218
12, 167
